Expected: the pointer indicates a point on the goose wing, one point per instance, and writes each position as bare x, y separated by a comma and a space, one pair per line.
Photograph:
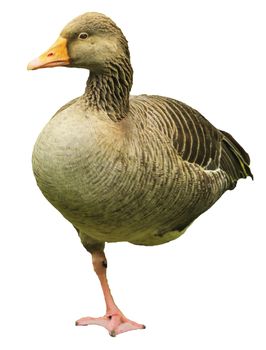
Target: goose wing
196, 140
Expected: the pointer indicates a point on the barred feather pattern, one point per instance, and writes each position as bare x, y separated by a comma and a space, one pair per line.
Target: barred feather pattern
195, 139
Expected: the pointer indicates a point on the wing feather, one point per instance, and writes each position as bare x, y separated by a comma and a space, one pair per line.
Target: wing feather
195, 139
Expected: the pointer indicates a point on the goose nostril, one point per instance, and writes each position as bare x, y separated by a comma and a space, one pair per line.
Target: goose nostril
50, 54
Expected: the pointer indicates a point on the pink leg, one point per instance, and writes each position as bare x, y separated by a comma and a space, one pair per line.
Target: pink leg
114, 320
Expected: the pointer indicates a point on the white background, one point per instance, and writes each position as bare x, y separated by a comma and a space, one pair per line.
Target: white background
205, 290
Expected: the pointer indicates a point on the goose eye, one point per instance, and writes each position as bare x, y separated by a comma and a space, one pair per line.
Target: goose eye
83, 36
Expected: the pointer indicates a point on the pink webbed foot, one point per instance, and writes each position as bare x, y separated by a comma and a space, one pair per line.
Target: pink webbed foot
115, 323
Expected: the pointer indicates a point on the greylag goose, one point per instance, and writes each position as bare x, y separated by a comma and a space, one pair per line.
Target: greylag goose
119, 168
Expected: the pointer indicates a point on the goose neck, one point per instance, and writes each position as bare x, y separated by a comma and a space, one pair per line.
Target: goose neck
108, 90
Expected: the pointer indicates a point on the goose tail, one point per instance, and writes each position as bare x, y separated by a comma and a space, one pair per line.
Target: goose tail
234, 159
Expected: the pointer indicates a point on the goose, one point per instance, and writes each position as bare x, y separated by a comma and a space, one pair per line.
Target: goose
138, 169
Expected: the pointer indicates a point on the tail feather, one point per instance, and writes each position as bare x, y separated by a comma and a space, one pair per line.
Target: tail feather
234, 159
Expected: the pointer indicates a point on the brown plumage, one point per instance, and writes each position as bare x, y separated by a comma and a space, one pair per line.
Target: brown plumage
126, 168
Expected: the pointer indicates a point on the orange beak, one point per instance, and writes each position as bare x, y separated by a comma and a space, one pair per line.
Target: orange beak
56, 56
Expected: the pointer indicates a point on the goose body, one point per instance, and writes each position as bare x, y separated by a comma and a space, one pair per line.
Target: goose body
127, 168
130, 180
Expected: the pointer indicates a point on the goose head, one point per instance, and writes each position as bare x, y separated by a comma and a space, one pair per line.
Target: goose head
90, 41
